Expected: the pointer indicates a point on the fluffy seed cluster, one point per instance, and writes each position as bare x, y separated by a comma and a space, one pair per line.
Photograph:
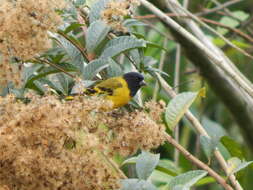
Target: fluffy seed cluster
53, 144
10, 72
24, 25
116, 11
23, 31
135, 131
155, 109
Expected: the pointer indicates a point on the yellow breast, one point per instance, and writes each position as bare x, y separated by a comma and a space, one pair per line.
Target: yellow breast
121, 95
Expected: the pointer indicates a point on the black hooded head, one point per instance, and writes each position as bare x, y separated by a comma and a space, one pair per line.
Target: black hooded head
135, 81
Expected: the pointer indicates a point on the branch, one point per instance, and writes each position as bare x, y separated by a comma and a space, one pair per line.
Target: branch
76, 44
180, 9
160, 67
211, 55
220, 7
200, 129
55, 66
236, 31
176, 83
198, 163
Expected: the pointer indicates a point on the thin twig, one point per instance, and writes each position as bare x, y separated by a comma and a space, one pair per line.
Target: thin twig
160, 67
242, 34
55, 66
176, 83
236, 31
200, 129
198, 163
220, 7
195, 18
226, 10
157, 30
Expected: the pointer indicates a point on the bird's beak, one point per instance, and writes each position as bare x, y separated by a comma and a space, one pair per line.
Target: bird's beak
142, 83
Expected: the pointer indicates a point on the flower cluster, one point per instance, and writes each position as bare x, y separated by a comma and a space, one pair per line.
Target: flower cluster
23, 31
10, 72
56, 144
116, 11
155, 109
134, 131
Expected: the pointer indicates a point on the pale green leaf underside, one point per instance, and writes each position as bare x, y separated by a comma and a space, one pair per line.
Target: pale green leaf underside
136, 184
121, 44
186, 180
96, 10
96, 33
177, 108
235, 165
145, 164
94, 67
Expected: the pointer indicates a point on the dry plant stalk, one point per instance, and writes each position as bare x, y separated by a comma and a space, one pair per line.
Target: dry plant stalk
116, 11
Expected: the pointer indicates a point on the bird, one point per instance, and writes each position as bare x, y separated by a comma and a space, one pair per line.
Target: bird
119, 90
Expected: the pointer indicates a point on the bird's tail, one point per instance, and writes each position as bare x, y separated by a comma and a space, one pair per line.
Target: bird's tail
86, 91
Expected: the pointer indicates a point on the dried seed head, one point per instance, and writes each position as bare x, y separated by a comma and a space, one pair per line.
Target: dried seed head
116, 11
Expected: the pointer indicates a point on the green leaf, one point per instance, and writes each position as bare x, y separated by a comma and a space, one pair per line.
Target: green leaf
168, 167
30, 71
160, 178
233, 147
155, 45
149, 61
94, 67
114, 69
209, 144
231, 22
75, 56
19, 93
155, 70
213, 128
78, 3
61, 82
72, 26
121, 44
135, 56
164, 166
40, 85
136, 184
96, 10
205, 181
145, 164
177, 108
133, 22
242, 44
131, 160
42, 72
181, 187
96, 33
235, 165
241, 15
186, 180
228, 21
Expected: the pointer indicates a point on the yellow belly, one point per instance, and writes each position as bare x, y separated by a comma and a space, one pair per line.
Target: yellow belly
120, 97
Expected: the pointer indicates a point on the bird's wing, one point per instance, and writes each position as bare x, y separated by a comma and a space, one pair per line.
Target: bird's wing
105, 87
108, 86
